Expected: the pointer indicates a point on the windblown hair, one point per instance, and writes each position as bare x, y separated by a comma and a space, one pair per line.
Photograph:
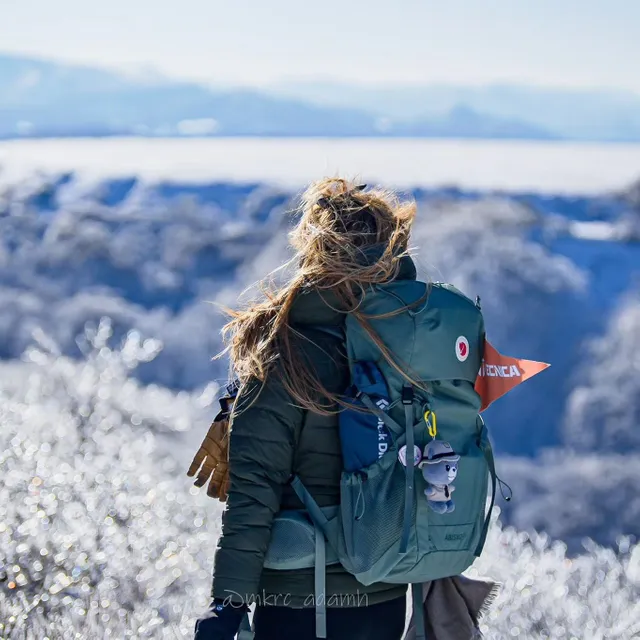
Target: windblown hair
341, 226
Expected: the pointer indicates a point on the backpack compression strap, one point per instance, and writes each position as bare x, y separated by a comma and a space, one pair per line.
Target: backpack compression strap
407, 402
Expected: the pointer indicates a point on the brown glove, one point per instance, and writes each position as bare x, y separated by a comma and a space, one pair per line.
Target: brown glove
211, 462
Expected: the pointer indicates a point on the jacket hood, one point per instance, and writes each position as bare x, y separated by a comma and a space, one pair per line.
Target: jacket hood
321, 306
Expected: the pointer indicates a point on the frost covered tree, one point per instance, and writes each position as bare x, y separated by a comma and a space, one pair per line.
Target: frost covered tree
574, 496
603, 411
149, 256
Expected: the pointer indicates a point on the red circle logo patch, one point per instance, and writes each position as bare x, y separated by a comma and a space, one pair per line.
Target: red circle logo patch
462, 348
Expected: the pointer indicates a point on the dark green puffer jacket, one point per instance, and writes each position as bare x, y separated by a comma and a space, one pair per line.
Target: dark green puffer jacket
272, 439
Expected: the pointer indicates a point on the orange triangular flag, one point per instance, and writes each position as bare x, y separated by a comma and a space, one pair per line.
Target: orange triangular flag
499, 374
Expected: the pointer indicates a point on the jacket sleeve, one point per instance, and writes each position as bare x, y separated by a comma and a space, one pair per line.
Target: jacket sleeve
264, 430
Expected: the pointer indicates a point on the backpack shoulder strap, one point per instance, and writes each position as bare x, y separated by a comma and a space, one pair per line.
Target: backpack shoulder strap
315, 512
321, 525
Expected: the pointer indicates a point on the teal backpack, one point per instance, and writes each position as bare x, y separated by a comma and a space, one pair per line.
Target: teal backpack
404, 519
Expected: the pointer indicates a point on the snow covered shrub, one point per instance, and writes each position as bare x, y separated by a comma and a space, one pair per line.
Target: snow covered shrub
547, 595
99, 536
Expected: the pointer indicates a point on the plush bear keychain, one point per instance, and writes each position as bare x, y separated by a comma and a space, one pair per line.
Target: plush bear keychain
439, 466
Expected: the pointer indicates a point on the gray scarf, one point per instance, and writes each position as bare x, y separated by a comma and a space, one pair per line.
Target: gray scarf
453, 607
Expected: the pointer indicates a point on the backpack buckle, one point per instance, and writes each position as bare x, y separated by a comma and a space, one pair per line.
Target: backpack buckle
407, 394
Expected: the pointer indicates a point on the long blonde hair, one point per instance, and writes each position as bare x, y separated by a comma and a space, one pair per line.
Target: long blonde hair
340, 225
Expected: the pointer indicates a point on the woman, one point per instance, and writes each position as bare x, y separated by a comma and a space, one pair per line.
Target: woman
285, 419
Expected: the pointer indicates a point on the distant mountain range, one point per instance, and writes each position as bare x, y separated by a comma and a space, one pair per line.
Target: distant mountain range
597, 115
39, 98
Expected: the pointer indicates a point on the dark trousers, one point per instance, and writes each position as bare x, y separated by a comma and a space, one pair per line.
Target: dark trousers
383, 621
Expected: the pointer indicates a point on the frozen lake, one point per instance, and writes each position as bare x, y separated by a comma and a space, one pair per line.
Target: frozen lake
503, 165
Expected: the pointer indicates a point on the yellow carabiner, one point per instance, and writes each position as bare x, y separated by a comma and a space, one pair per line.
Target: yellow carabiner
430, 419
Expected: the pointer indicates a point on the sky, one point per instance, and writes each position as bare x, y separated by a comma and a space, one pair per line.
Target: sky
571, 43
